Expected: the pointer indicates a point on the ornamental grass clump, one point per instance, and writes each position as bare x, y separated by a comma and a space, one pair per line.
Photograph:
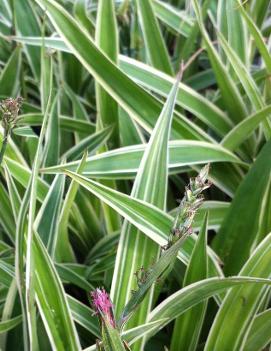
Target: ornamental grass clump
101, 130
146, 277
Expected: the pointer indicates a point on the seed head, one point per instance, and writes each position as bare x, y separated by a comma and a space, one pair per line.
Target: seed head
9, 110
188, 207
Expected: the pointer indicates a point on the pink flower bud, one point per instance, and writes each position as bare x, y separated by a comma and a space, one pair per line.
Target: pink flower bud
103, 306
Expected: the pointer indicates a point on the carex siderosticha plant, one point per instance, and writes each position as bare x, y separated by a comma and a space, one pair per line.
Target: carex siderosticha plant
101, 130
146, 277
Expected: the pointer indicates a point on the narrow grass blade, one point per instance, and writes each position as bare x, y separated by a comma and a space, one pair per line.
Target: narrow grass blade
9, 76
25, 132
234, 29
257, 36
177, 20
107, 107
47, 218
227, 184
80, 12
187, 98
182, 300
233, 320
9, 324
83, 316
22, 175
142, 106
153, 222
156, 49
247, 81
50, 293
259, 10
66, 123
259, 335
26, 23
245, 128
51, 152
63, 250
187, 327
136, 250
90, 143
6, 214
250, 206
134, 334
231, 96
67, 275
124, 162
29, 269
8, 308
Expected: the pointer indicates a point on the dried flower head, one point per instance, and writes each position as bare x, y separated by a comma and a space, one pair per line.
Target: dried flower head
103, 306
141, 276
189, 205
9, 110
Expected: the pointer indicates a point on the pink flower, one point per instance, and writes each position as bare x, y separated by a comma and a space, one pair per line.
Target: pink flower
103, 305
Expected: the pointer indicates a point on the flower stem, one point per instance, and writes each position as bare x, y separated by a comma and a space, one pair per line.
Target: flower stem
4, 145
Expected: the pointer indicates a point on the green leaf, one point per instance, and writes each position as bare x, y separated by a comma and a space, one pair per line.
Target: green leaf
79, 111
257, 36
52, 302
191, 295
187, 98
188, 326
136, 250
8, 308
80, 12
177, 20
26, 23
156, 271
25, 132
132, 335
235, 30
51, 153
107, 107
47, 218
124, 162
22, 175
68, 275
63, 249
66, 123
234, 318
111, 338
143, 107
245, 128
31, 201
90, 143
231, 96
10, 324
228, 184
9, 76
247, 81
83, 316
153, 222
6, 214
249, 206
157, 53
259, 335
7, 273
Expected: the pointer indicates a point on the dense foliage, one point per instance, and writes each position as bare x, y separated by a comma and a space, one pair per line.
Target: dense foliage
112, 111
